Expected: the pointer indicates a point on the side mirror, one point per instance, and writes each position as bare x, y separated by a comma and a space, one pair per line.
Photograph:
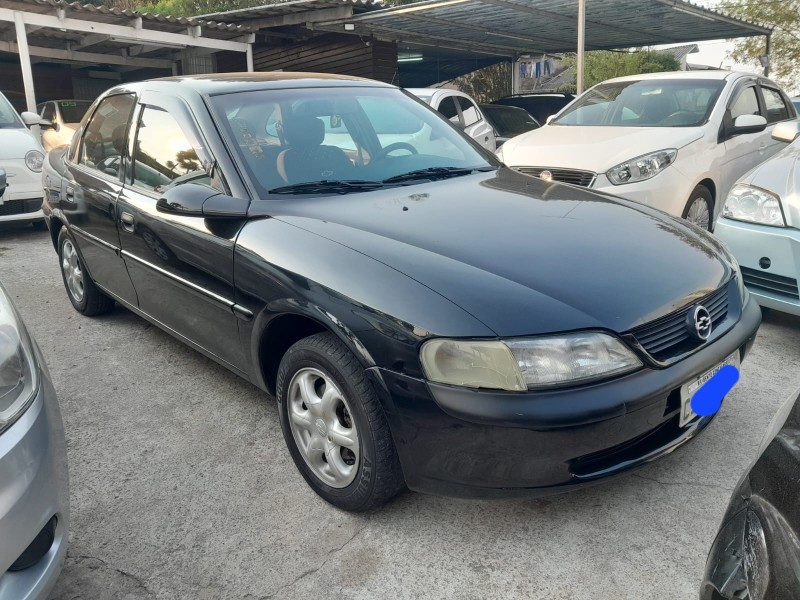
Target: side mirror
45, 124
30, 119
749, 124
195, 200
550, 119
788, 131
2, 182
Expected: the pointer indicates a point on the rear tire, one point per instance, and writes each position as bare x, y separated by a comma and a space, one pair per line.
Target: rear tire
699, 209
85, 296
334, 425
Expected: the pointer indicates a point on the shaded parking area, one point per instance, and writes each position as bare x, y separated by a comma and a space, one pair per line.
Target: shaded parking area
182, 486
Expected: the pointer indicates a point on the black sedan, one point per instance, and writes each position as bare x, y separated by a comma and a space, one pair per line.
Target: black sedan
424, 316
508, 121
756, 554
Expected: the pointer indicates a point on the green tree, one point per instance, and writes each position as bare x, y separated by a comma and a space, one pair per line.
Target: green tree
600, 65
784, 17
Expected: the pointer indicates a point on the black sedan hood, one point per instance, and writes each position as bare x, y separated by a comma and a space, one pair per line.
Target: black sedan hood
522, 255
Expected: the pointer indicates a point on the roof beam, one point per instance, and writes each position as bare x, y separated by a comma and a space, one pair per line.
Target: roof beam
88, 57
454, 43
691, 9
121, 31
91, 40
303, 18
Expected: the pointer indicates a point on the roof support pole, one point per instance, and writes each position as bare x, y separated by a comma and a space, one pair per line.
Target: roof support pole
25, 61
581, 42
768, 52
250, 68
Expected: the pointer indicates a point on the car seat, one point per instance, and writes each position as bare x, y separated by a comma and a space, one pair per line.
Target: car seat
306, 158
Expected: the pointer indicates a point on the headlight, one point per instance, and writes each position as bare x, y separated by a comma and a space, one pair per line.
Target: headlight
520, 364
753, 205
34, 161
641, 167
18, 373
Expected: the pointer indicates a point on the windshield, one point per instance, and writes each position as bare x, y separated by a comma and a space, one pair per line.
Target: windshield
509, 121
650, 103
8, 116
72, 111
297, 136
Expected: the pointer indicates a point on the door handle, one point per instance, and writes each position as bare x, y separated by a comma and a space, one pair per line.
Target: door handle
127, 221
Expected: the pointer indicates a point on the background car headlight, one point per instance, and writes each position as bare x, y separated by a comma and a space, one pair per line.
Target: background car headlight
34, 161
527, 363
18, 371
753, 205
641, 167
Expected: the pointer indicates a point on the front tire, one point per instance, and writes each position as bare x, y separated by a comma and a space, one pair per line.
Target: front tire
84, 295
700, 208
334, 425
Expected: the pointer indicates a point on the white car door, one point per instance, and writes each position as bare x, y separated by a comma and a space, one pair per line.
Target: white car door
776, 110
475, 125
744, 151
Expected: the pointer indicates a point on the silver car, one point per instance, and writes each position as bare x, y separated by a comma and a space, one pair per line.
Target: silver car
34, 490
760, 223
461, 111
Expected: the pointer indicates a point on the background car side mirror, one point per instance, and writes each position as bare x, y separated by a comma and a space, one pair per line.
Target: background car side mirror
30, 119
788, 131
749, 124
196, 200
2, 182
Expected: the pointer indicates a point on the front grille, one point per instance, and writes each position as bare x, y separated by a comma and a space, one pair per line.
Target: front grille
769, 282
19, 207
573, 176
668, 336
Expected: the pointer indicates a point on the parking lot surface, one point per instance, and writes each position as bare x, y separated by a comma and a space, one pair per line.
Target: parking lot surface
182, 486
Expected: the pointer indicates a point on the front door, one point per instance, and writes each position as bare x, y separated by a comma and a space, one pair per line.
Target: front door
181, 266
475, 126
742, 152
91, 189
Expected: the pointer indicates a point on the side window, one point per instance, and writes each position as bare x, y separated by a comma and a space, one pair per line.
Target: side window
163, 157
448, 108
469, 111
104, 139
775, 106
745, 104
49, 112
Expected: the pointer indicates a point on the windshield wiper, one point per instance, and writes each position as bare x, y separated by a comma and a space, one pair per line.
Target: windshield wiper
328, 187
436, 173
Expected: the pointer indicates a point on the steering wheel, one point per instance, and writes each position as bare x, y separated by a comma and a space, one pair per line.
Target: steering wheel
384, 152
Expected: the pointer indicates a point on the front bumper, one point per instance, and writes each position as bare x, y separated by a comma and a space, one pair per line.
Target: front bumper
668, 191
34, 488
460, 442
22, 199
750, 243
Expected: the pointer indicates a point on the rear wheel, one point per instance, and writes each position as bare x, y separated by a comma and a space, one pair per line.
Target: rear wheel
334, 425
699, 208
85, 296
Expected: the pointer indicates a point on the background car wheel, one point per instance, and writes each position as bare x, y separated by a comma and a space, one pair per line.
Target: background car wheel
700, 208
81, 290
334, 425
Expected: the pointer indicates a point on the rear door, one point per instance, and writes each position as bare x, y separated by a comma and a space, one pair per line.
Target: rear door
91, 190
475, 125
181, 266
777, 108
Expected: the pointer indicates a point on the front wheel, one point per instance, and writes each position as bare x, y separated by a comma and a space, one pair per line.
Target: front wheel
334, 426
81, 290
699, 208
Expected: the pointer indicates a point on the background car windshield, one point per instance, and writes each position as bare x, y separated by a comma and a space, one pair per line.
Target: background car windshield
72, 111
8, 116
510, 121
651, 103
295, 136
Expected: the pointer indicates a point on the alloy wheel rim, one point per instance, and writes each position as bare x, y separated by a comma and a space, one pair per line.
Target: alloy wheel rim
323, 428
698, 213
73, 275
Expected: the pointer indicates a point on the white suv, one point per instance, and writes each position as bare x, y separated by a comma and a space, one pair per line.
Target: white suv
21, 159
461, 111
675, 141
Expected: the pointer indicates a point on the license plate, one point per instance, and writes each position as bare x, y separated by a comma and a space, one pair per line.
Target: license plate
688, 389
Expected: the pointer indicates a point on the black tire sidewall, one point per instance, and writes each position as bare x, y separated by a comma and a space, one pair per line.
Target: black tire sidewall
358, 494
701, 191
64, 236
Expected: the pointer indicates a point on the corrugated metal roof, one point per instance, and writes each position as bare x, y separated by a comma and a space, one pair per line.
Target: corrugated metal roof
278, 8
510, 27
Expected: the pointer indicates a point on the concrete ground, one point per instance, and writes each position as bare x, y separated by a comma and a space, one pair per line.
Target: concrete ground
182, 487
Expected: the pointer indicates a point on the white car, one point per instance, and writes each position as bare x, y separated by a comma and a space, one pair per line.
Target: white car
21, 159
675, 141
461, 110
60, 119
760, 224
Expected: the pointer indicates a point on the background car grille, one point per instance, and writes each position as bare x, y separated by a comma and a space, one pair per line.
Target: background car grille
769, 282
573, 176
668, 336
19, 207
